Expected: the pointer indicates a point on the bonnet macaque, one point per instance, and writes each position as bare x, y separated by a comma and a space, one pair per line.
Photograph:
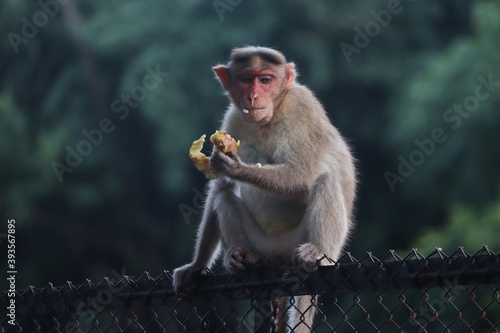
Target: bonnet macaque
289, 192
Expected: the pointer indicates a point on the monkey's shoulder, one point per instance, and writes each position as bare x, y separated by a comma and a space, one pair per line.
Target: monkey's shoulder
304, 98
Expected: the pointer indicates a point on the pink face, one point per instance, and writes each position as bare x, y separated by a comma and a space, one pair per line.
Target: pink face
255, 91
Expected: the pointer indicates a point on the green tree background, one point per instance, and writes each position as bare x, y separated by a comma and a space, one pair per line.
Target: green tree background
132, 203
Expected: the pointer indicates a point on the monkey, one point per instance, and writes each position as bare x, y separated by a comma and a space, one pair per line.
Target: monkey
289, 192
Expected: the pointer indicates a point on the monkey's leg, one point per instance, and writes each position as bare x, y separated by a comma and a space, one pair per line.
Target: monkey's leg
206, 248
240, 254
326, 222
220, 223
327, 226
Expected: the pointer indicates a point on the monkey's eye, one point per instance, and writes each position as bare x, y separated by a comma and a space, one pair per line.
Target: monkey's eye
265, 79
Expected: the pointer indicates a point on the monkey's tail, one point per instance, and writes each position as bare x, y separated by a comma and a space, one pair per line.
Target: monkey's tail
303, 309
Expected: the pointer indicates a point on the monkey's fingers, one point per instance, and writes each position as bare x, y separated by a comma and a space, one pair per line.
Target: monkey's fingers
220, 162
236, 264
184, 293
185, 282
242, 261
233, 156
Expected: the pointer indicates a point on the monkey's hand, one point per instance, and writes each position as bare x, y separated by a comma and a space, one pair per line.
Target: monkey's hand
183, 278
307, 256
226, 164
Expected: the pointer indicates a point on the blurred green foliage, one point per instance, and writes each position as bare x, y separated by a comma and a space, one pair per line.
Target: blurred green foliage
466, 226
131, 199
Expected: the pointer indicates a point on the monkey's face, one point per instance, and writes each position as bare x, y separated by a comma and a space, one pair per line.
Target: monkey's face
256, 86
255, 92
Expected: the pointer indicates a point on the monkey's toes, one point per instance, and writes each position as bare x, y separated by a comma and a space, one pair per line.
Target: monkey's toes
307, 256
241, 260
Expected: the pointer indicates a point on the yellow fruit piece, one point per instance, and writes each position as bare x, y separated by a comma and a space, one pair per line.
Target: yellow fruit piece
224, 142
200, 161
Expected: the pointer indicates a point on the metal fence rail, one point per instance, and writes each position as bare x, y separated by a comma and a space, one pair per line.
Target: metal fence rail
437, 293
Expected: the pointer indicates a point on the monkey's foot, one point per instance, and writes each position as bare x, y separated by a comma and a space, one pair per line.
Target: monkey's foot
306, 255
239, 260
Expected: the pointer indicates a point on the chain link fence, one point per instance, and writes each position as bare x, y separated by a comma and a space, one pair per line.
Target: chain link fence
437, 293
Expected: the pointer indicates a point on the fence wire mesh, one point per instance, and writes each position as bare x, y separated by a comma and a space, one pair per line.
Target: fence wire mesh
416, 293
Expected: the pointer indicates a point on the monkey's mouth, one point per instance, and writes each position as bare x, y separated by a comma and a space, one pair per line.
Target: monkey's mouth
248, 110
259, 115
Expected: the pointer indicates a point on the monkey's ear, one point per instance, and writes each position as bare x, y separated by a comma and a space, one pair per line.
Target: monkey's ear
289, 75
222, 73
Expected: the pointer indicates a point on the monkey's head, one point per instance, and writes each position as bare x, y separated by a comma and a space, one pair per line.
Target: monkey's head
257, 79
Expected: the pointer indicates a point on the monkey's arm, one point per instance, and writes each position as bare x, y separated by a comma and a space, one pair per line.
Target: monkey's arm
206, 247
208, 240
283, 179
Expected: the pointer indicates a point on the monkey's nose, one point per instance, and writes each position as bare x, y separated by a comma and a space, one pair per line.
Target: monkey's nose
252, 98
